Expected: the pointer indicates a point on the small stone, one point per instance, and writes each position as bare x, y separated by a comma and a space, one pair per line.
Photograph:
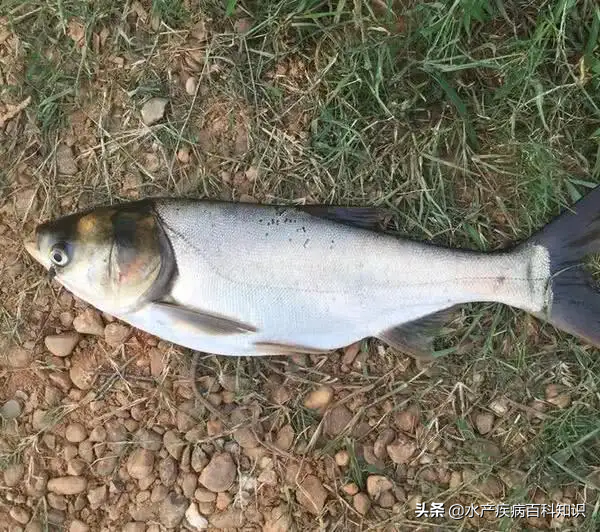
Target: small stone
76, 467
194, 519
285, 438
558, 396
223, 500
153, 110
268, 477
116, 334
377, 484
188, 484
167, 471
159, 492
78, 526
62, 345
13, 475
173, 443
59, 502
67, 485
214, 427
204, 495
135, 526
20, 514
34, 526
337, 420
484, 422
105, 466
342, 458
11, 409
190, 86
361, 503
499, 406
96, 497
140, 463
407, 419
386, 437
281, 395
455, 479
86, 451
245, 437
98, 434
66, 318
157, 364
198, 459
89, 322
65, 162
75, 433
232, 518
149, 439
219, 474
183, 155
19, 357
311, 494
40, 420
319, 398
81, 375
172, 510
386, 499
401, 450
350, 353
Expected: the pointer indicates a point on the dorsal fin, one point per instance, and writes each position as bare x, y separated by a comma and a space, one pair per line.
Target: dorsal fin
416, 337
365, 217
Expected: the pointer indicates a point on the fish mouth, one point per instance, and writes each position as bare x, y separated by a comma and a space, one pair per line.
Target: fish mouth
32, 248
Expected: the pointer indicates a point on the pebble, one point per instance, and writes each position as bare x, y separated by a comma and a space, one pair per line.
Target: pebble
311, 494
188, 484
70, 485
98, 434
377, 484
167, 471
96, 497
140, 463
279, 520
89, 322
157, 364
232, 518
34, 526
219, 474
20, 514
65, 162
135, 526
76, 467
149, 439
386, 499
81, 375
159, 492
173, 443
386, 437
19, 357
401, 451
62, 345
116, 334
78, 526
285, 438
223, 500
198, 459
66, 318
245, 437
204, 495
407, 419
337, 420
351, 488
40, 420
11, 409
319, 398
194, 519
13, 474
361, 503
86, 451
172, 509
153, 110
484, 422
190, 86
59, 502
342, 458
75, 433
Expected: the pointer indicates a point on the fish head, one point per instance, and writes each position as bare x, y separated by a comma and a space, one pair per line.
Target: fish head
111, 257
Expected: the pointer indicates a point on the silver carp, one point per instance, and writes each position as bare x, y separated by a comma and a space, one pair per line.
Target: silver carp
246, 279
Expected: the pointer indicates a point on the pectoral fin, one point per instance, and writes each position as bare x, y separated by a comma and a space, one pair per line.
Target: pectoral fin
197, 320
416, 337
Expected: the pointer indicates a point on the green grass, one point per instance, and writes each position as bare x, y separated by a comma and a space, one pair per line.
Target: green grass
473, 121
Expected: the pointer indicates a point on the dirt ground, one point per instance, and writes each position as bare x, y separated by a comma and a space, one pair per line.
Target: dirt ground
100, 426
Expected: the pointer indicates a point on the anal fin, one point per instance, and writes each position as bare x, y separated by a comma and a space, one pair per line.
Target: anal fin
416, 337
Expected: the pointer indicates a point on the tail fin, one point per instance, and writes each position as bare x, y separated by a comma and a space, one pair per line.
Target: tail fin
569, 238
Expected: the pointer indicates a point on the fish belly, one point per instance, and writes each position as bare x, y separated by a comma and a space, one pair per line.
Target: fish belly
304, 281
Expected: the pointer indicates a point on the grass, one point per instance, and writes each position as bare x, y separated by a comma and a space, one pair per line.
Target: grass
473, 121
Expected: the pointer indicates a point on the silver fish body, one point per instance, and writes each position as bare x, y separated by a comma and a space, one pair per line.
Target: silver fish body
252, 279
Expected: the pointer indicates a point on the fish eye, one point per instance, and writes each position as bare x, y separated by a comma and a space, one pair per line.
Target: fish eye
59, 255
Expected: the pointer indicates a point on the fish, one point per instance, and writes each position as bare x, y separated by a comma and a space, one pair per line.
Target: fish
247, 279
